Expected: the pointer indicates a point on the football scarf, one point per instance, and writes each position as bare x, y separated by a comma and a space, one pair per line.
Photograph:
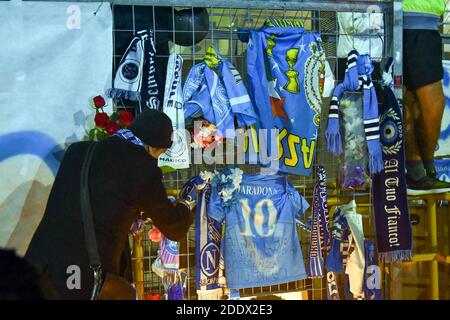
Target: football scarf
177, 156
208, 235
169, 253
334, 259
136, 75
129, 136
286, 70
332, 287
357, 76
322, 207
372, 274
319, 233
215, 91
392, 221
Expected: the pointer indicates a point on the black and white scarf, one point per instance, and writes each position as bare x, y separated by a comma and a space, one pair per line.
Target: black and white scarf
136, 75
357, 76
177, 156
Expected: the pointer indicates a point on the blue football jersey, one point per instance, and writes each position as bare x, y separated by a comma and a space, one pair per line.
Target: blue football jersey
286, 72
261, 244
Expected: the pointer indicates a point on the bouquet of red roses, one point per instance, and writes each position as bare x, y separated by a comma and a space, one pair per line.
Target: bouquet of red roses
106, 125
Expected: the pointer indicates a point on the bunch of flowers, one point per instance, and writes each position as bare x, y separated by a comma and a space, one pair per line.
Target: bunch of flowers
204, 135
228, 182
106, 125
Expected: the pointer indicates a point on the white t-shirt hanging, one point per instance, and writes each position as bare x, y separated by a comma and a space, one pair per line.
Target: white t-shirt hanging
361, 31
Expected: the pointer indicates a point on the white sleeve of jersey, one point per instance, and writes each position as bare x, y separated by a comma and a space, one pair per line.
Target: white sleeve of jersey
329, 81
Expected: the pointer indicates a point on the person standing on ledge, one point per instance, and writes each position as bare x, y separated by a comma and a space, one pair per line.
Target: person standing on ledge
123, 179
424, 100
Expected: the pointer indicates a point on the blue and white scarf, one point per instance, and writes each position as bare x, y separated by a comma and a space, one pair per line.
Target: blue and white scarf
372, 274
215, 91
208, 236
334, 259
357, 76
129, 136
332, 287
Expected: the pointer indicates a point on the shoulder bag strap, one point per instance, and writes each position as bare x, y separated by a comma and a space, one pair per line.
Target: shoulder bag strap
88, 221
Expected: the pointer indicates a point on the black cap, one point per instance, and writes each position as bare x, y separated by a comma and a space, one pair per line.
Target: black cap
154, 128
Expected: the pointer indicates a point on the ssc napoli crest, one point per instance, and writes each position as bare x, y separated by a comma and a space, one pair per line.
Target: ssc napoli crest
209, 259
315, 79
130, 71
391, 132
179, 144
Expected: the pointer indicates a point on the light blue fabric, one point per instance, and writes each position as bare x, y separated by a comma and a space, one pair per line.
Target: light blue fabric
261, 244
296, 111
218, 96
420, 21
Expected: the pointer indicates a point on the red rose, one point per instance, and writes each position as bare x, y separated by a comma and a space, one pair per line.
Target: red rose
112, 127
101, 119
126, 118
99, 102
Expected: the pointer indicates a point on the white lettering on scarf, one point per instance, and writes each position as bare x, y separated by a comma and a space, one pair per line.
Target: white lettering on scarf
173, 89
392, 212
152, 84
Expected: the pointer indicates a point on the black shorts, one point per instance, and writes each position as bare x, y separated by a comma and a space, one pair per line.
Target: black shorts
422, 58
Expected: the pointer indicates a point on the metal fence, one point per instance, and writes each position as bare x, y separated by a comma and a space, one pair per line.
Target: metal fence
225, 17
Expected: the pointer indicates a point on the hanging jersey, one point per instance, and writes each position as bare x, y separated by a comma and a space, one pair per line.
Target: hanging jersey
261, 244
286, 73
214, 90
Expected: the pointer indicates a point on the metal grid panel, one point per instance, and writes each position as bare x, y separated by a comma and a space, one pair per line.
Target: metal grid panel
445, 31
223, 31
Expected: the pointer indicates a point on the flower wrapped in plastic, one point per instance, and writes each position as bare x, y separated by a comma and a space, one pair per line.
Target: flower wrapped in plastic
354, 172
205, 135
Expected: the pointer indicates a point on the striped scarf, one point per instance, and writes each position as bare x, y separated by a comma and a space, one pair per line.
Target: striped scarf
357, 76
208, 235
320, 238
334, 261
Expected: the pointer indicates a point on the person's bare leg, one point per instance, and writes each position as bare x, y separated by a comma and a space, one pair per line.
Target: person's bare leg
411, 112
428, 125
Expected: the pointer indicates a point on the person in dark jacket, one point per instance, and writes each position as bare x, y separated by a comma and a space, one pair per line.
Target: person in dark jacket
124, 180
